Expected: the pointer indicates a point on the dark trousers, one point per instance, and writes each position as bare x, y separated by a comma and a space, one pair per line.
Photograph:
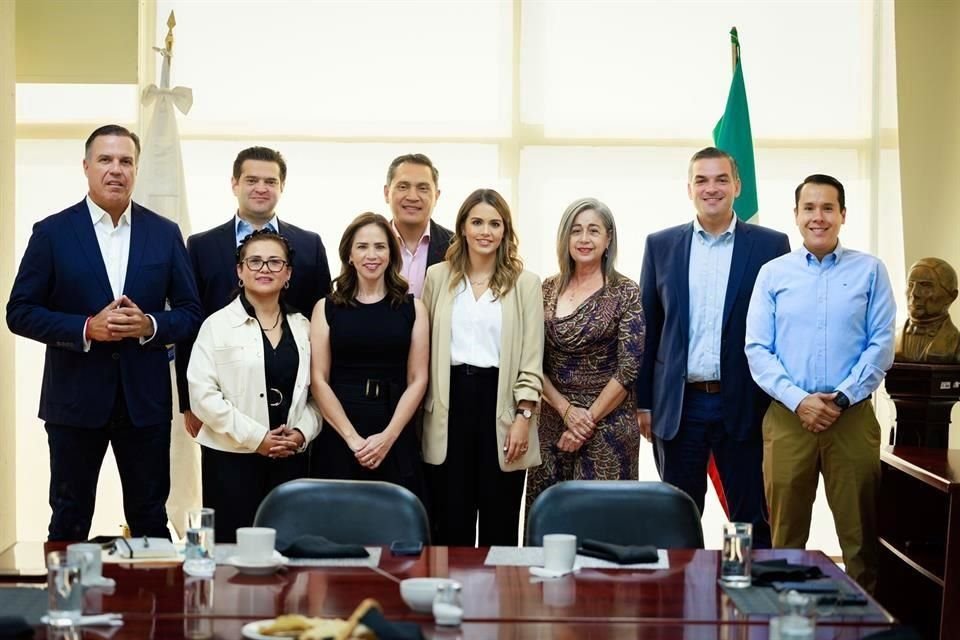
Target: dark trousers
470, 483
234, 485
143, 461
683, 460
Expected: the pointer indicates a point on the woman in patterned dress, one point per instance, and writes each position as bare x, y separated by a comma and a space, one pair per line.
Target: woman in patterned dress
594, 328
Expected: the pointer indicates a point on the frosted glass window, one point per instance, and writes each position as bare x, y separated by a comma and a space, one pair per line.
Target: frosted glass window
76, 103
356, 68
662, 69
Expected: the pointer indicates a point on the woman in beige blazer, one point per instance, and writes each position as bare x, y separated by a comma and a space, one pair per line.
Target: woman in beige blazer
486, 376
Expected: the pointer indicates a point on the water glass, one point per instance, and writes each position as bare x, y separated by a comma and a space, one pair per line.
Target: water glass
199, 554
735, 557
197, 608
64, 589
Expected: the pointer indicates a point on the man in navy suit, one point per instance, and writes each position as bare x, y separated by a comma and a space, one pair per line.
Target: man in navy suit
93, 285
259, 175
412, 190
694, 388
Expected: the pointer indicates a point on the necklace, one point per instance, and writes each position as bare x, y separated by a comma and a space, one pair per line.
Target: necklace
477, 283
275, 323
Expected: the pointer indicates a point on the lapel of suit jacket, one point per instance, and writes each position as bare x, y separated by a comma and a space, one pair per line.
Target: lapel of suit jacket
742, 243
443, 318
139, 232
87, 239
681, 268
225, 240
436, 251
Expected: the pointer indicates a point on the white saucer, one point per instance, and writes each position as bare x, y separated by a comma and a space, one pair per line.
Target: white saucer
543, 572
258, 567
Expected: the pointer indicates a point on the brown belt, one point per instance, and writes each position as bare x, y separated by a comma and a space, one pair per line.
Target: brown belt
707, 386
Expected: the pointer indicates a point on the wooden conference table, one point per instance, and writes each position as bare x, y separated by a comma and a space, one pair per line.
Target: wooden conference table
682, 602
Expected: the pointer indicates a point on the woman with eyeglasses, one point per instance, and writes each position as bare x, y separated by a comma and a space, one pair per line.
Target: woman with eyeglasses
371, 344
486, 360
249, 380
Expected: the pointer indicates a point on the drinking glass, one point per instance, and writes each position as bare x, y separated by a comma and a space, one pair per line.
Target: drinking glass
64, 589
735, 557
199, 554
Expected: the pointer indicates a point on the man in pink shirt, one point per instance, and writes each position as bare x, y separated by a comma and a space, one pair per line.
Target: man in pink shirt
412, 190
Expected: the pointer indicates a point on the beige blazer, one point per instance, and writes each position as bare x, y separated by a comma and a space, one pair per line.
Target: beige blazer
521, 363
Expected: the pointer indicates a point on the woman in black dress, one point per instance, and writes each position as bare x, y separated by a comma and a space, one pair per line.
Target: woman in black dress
369, 365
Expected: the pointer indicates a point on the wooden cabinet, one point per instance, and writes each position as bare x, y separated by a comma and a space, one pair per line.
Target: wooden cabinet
919, 524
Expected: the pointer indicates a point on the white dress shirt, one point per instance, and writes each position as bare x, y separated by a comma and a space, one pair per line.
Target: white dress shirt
475, 328
114, 244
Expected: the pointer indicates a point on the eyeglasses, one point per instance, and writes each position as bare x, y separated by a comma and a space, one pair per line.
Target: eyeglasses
274, 265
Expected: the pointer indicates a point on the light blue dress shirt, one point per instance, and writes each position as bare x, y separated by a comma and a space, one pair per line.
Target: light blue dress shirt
244, 228
821, 326
710, 258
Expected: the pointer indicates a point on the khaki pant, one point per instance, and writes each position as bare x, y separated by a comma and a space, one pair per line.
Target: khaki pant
848, 455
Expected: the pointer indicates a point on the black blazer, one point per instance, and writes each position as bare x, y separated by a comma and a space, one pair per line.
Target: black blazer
62, 280
213, 256
440, 238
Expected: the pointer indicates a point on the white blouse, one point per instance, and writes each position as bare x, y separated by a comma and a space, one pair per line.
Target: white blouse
475, 328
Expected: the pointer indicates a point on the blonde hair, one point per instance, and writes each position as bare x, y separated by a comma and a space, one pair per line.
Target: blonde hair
508, 266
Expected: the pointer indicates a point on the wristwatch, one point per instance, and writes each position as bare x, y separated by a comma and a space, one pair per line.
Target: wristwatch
526, 413
842, 401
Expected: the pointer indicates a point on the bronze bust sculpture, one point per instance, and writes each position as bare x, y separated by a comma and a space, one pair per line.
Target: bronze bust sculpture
929, 336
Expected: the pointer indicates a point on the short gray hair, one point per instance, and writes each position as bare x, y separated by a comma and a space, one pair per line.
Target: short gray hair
563, 239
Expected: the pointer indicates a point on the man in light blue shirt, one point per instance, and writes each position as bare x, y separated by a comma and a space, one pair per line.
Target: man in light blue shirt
820, 336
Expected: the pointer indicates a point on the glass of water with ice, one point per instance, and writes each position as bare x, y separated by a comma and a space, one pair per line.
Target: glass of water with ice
735, 557
199, 558
64, 589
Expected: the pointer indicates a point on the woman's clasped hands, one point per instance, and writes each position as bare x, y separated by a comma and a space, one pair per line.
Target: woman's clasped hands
281, 442
580, 426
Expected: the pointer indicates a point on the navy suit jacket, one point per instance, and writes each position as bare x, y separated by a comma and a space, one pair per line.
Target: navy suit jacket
62, 280
665, 287
213, 256
440, 238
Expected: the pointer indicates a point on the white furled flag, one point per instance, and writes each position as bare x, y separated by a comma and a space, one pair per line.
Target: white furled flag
160, 187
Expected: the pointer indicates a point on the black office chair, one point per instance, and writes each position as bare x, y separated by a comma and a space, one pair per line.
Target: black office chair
619, 512
345, 511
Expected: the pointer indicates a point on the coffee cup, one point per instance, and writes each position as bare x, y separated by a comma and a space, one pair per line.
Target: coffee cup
255, 544
559, 552
88, 556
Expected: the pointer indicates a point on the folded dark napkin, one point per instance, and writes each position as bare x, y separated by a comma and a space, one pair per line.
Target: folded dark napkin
14, 627
309, 546
387, 630
769, 571
621, 554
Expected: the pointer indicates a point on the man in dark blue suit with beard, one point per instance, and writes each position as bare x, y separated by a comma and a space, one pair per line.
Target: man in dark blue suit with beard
106, 285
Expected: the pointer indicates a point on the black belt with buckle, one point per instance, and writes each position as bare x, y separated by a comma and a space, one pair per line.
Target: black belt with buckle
470, 370
706, 386
372, 388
